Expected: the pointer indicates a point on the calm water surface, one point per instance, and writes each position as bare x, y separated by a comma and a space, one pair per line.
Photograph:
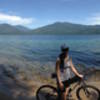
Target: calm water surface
84, 49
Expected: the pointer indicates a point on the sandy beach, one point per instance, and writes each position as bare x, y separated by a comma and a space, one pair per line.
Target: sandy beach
19, 87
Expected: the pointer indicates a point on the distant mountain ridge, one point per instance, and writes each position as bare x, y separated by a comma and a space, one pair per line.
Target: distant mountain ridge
67, 28
6, 29
22, 28
57, 28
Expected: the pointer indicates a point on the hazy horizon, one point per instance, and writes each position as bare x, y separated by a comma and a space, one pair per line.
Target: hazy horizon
49, 24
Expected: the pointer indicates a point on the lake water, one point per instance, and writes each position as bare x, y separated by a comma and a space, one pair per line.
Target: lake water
84, 49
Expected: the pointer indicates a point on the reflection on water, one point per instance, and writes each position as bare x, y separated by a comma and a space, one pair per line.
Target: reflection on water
44, 49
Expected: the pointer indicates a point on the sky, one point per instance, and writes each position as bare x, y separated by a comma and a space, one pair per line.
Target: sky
38, 13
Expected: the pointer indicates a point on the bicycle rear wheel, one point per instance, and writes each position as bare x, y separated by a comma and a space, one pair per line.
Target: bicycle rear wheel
47, 92
88, 93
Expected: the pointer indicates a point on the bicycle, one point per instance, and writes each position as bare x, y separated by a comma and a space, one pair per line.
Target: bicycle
83, 92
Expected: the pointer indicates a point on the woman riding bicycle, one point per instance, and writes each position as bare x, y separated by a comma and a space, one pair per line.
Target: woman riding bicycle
64, 68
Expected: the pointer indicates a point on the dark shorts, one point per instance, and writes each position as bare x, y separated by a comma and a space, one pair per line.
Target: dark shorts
68, 82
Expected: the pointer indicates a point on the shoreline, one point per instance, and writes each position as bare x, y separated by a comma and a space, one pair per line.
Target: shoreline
21, 86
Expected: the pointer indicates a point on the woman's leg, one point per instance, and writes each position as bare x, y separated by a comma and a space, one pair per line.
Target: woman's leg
64, 94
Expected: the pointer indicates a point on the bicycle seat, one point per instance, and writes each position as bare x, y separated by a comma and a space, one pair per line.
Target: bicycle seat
53, 75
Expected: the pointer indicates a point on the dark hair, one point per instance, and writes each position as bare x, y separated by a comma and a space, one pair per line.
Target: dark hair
65, 49
62, 57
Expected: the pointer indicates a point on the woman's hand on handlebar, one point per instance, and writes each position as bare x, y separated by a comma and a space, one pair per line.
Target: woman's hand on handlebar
81, 76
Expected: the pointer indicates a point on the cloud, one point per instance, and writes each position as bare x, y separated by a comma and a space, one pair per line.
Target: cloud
15, 20
94, 19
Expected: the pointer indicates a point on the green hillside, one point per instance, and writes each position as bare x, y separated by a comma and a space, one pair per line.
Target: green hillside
67, 28
6, 29
57, 28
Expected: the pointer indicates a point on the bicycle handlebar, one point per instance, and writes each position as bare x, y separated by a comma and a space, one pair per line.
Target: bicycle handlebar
85, 72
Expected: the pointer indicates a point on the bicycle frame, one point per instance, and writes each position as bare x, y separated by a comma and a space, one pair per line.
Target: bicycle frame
78, 83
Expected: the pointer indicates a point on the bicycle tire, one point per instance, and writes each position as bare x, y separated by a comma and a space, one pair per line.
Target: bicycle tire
47, 96
95, 93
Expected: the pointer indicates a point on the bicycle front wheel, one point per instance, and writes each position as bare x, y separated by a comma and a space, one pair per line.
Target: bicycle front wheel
88, 93
47, 92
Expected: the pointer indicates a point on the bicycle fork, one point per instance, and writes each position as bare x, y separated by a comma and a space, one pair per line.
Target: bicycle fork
85, 89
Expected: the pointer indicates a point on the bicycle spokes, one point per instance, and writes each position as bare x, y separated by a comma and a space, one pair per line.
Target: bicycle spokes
91, 94
47, 93
88, 93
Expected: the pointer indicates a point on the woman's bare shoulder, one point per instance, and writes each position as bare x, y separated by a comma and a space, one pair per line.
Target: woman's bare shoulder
58, 60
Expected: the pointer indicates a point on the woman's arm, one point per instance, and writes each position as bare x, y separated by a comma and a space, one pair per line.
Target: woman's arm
75, 71
58, 70
58, 75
